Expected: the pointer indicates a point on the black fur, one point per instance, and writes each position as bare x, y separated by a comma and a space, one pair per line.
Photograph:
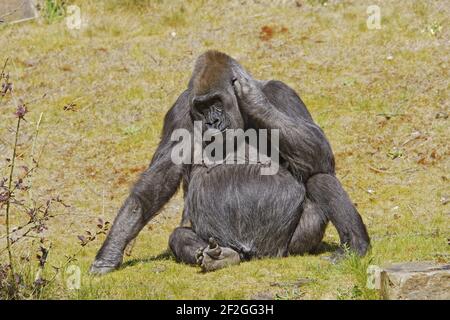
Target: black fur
254, 215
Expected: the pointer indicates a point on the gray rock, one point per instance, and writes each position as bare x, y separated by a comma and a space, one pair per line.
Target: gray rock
411, 281
374, 277
12, 11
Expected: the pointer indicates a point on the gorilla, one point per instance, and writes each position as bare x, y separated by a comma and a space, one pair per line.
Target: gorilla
232, 213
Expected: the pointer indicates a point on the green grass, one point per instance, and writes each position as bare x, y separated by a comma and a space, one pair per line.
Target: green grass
130, 61
53, 10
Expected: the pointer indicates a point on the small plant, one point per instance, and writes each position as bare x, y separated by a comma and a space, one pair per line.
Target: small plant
356, 266
395, 153
28, 281
353, 294
102, 228
434, 29
53, 10
13, 283
131, 130
289, 294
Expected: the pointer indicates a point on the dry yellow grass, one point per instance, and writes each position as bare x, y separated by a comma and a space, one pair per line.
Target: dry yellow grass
381, 97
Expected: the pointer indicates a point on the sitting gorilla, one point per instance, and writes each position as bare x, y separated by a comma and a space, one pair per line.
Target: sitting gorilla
232, 212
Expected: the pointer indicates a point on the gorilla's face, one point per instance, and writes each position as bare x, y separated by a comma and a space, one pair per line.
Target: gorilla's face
218, 109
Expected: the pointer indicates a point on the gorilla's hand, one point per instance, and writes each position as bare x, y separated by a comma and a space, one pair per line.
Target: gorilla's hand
214, 257
248, 92
100, 268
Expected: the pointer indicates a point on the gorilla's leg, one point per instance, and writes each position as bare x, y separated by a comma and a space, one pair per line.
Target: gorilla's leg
184, 244
310, 229
189, 248
326, 191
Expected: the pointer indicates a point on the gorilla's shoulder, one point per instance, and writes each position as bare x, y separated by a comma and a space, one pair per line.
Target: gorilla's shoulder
284, 98
275, 84
178, 115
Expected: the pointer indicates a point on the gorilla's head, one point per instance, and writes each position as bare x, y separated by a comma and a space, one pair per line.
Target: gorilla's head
213, 100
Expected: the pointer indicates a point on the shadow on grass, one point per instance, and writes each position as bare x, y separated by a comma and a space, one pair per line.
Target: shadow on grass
324, 247
165, 255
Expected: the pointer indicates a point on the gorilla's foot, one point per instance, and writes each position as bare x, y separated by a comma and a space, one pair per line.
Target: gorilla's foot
100, 267
214, 257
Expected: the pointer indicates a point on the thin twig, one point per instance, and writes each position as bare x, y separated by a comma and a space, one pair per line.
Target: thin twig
378, 170
25, 176
22, 236
8, 203
38, 287
390, 172
17, 229
33, 161
2, 76
4, 66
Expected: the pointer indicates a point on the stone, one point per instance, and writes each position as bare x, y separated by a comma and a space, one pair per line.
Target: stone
374, 277
411, 281
12, 11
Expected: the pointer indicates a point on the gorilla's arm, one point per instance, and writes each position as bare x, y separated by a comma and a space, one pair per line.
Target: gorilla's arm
305, 147
302, 143
154, 188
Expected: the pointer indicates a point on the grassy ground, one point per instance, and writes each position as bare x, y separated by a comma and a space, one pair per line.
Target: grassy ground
381, 97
